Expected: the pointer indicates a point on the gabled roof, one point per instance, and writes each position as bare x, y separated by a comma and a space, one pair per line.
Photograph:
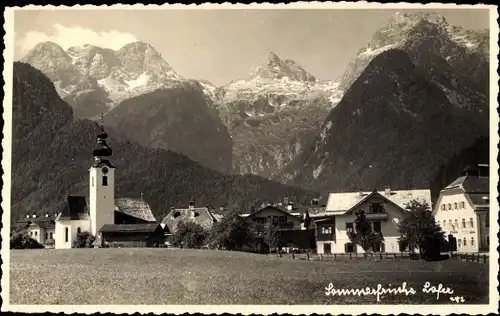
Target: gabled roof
341, 203
75, 209
135, 207
129, 228
279, 209
199, 215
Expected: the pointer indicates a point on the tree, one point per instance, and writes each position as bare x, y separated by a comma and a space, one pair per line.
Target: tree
232, 232
272, 236
420, 231
83, 240
23, 240
363, 235
189, 235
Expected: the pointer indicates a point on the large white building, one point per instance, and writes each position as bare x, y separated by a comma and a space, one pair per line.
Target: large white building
384, 209
462, 210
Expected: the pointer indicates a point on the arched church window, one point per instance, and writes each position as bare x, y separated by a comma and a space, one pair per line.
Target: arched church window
104, 180
66, 234
78, 230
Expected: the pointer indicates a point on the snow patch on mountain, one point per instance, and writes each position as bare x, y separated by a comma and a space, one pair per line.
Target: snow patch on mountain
374, 52
142, 80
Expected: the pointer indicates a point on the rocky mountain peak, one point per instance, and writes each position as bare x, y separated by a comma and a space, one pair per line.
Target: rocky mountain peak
140, 57
47, 50
276, 68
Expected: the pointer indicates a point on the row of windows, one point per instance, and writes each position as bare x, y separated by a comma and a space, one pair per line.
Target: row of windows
464, 243
273, 219
377, 227
451, 206
454, 225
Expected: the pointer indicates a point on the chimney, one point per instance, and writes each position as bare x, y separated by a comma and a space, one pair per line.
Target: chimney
34, 216
315, 202
289, 206
46, 214
361, 192
387, 190
191, 205
221, 208
27, 215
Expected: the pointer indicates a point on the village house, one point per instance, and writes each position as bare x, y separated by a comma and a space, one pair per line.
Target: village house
101, 209
292, 222
462, 210
199, 215
383, 209
40, 228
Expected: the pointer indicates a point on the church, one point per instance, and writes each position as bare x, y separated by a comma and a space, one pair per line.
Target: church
115, 222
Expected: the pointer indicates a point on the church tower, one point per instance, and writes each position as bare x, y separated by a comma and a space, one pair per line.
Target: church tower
101, 185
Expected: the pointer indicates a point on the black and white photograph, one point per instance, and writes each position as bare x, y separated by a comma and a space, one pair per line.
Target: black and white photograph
295, 158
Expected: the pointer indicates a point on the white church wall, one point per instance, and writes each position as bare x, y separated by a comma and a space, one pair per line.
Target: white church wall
65, 240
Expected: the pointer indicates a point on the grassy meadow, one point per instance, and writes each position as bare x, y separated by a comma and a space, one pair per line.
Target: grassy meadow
183, 276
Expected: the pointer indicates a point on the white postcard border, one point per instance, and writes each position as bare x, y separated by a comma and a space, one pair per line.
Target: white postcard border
251, 309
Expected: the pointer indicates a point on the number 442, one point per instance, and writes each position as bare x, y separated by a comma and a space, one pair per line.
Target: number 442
457, 299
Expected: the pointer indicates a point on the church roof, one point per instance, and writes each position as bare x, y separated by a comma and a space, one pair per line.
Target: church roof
199, 215
129, 228
135, 207
75, 209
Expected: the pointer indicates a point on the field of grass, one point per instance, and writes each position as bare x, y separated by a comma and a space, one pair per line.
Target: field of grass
182, 276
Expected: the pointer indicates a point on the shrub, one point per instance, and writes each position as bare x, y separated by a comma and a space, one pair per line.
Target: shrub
189, 235
83, 240
22, 240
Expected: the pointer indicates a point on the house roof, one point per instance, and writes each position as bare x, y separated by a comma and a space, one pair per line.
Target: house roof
475, 188
37, 219
75, 209
470, 184
318, 211
129, 228
280, 209
43, 223
340, 203
135, 207
199, 215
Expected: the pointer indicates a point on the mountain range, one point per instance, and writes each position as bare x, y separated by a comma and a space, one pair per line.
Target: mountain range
52, 153
410, 101
417, 95
415, 125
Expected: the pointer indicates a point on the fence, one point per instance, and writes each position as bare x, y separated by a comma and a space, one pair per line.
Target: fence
472, 257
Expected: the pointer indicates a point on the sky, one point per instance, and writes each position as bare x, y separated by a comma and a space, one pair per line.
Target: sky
224, 45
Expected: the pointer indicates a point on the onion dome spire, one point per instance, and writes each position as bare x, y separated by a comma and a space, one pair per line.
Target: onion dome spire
102, 149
